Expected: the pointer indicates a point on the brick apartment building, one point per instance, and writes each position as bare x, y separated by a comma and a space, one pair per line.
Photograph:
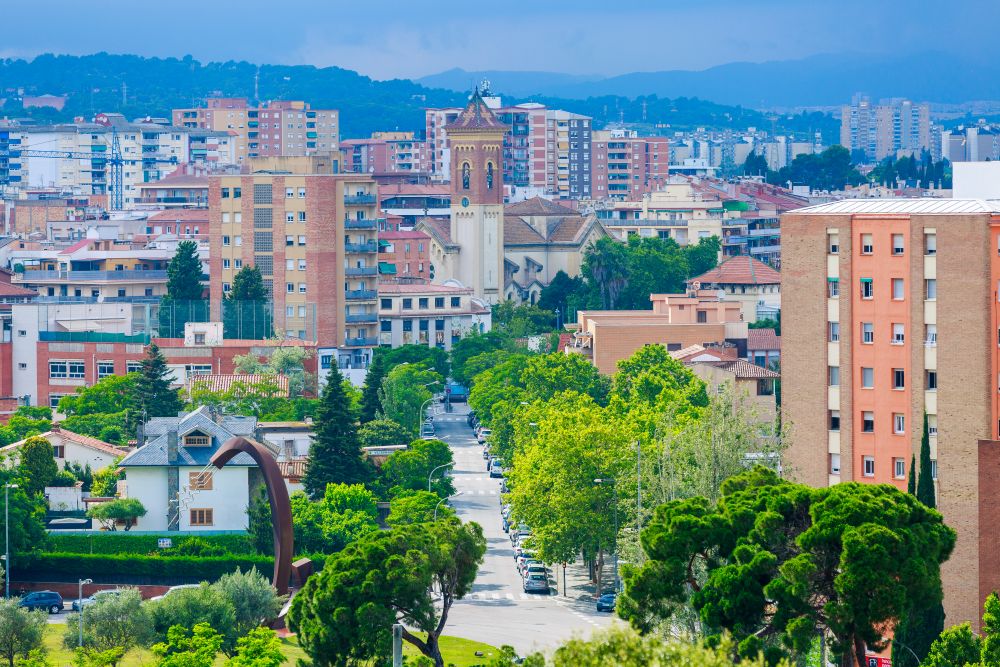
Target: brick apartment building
891, 312
626, 166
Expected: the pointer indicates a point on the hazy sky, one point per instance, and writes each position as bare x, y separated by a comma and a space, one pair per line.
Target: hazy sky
411, 38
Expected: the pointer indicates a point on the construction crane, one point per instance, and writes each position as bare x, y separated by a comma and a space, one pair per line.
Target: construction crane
113, 168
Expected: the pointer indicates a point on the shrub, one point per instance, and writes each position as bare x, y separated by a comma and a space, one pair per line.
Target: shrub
63, 478
196, 546
145, 543
192, 606
126, 565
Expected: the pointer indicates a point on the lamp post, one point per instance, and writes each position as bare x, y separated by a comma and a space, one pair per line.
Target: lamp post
79, 602
458, 493
420, 413
443, 465
6, 530
614, 491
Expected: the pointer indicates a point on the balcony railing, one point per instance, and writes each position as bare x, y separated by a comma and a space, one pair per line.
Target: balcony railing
361, 342
369, 246
84, 276
361, 295
361, 271
361, 318
93, 299
359, 199
360, 224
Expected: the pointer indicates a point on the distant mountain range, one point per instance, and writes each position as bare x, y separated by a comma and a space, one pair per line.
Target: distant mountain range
822, 80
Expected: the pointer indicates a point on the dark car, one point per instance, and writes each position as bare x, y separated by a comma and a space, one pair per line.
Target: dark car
606, 602
50, 601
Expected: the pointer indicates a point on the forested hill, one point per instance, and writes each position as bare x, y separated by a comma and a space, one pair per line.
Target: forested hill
154, 86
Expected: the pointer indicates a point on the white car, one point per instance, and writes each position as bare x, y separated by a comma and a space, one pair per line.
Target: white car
174, 589
483, 435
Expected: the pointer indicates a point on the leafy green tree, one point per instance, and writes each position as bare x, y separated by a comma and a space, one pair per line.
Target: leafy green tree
90, 657
404, 391
703, 255
408, 469
335, 453
20, 426
111, 394
606, 267
259, 524
153, 396
288, 360
36, 464
263, 397
197, 649
112, 622
246, 310
755, 165
253, 598
521, 320
105, 484
125, 510
775, 563
370, 403
382, 433
829, 170
344, 513
260, 647
184, 300
562, 292
27, 514
429, 357
409, 574
470, 346
416, 507
958, 646
191, 607
21, 630
111, 427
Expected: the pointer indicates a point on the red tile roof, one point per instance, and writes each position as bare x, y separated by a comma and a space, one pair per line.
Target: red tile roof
83, 440
6, 289
763, 339
739, 270
412, 234
743, 369
476, 116
537, 206
293, 470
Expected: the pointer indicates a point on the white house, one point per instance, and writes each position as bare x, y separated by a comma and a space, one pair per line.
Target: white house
69, 447
171, 475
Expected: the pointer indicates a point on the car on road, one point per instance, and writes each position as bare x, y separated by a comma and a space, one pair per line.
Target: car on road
484, 433
77, 604
536, 583
50, 601
470, 419
427, 430
535, 568
496, 470
524, 561
606, 602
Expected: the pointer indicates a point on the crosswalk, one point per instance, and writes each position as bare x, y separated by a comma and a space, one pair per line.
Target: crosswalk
479, 492
508, 597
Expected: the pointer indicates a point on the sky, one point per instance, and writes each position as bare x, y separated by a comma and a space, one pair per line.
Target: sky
413, 38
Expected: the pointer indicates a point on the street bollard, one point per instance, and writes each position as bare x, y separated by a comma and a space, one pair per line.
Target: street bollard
397, 645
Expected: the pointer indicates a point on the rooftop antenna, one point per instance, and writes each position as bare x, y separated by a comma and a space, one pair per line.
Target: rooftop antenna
256, 85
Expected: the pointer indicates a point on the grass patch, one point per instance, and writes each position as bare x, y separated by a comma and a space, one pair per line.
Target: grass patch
459, 652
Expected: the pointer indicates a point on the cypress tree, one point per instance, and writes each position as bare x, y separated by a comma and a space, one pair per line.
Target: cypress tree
911, 483
183, 301
153, 396
335, 453
245, 310
918, 629
370, 404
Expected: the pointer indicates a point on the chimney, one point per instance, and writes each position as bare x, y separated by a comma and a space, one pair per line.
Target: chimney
140, 434
172, 447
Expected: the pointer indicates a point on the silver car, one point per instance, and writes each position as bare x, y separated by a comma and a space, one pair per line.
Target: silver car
536, 583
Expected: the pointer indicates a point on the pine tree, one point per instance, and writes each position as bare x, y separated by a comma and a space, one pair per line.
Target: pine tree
335, 453
183, 301
370, 404
246, 312
922, 625
153, 396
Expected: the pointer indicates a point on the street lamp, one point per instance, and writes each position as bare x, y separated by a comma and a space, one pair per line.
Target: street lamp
457, 493
614, 490
443, 465
79, 602
6, 530
420, 413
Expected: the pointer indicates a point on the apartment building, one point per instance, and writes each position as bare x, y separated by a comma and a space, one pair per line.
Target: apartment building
432, 315
904, 292
974, 143
404, 256
626, 166
314, 239
280, 127
387, 154
894, 127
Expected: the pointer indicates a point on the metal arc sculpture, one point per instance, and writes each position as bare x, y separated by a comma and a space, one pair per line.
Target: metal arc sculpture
277, 496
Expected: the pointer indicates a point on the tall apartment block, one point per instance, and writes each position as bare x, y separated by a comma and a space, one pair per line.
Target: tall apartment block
625, 165
891, 312
277, 128
387, 154
313, 237
886, 129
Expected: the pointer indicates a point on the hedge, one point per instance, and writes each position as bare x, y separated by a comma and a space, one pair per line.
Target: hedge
144, 543
102, 567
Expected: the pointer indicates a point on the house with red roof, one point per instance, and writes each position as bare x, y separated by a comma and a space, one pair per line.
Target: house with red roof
753, 283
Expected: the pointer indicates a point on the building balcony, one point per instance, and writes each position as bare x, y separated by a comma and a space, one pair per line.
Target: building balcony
367, 247
361, 318
355, 200
34, 277
361, 271
361, 295
361, 342
368, 223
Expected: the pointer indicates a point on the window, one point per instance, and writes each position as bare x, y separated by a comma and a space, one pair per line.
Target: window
197, 440
833, 287
302, 288
833, 332
833, 376
225, 240
867, 333
302, 239
834, 420
59, 451
897, 244
867, 247
225, 263
238, 264
897, 289
105, 368
898, 337
867, 422
930, 380
302, 265
439, 302
930, 289
867, 291
302, 193
932, 425
407, 304
57, 370
422, 303
289, 193
867, 378
289, 216
934, 469
898, 378
898, 424
302, 216
201, 517
133, 366
54, 400
833, 243
834, 464
930, 244
899, 468
868, 466
385, 326
237, 241
199, 339
289, 240
930, 335
290, 288
326, 361
456, 301
386, 304
765, 387
200, 481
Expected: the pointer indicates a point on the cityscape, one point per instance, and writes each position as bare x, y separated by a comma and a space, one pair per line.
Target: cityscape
520, 336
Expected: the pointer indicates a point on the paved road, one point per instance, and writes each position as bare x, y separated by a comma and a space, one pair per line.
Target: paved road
497, 611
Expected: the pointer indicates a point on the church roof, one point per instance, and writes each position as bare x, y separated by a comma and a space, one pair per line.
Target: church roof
537, 206
476, 116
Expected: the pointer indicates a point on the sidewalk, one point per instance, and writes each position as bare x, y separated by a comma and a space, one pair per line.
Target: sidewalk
578, 584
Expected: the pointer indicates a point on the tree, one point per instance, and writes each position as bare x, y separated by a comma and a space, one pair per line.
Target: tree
562, 292
287, 360
403, 575
119, 623
153, 395
755, 165
829, 170
197, 649
105, 483
21, 630
124, 510
775, 563
429, 357
404, 390
925, 482
703, 255
261, 647
253, 598
259, 524
470, 346
606, 266
958, 646
382, 433
89, 657
190, 607
111, 394
246, 310
416, 507
521, 320
184, 300
344, 513
27, 514
263, 397
408, 469
335, 453
37, 464
370, 404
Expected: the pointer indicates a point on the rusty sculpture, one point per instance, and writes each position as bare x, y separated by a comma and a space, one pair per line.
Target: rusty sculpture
277, 496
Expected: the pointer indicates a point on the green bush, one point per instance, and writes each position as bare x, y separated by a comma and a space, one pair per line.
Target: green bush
122, 543
207, 568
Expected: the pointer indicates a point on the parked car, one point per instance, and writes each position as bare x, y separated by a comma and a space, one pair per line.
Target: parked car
496, 470
174, 589
536, 583
503, 486
524, 562
535, 568
470, 419
50, 601
76, 605
484, 433
606, 602
427, 430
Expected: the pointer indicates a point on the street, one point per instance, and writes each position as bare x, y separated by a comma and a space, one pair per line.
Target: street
497, 611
